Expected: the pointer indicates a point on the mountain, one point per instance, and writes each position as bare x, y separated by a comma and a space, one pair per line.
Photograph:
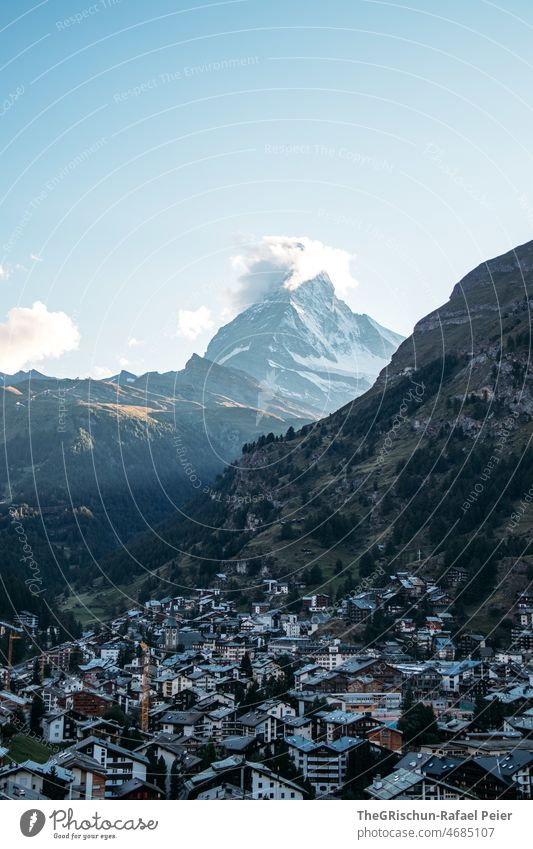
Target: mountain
59, 433
88, 463
307, 345
22, 377
431, 468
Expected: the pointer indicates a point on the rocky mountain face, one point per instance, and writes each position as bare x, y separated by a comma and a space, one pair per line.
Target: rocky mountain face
431, 466
306, 345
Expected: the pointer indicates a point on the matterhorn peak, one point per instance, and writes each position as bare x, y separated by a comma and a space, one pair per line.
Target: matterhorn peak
305, 342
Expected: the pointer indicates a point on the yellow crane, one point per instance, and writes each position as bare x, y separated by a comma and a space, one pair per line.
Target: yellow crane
145, 688
15, 633
12, 636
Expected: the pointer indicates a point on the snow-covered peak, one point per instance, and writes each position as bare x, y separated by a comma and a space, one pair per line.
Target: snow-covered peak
307, 342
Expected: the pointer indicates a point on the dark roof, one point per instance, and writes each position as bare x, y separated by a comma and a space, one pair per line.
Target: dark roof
132, 785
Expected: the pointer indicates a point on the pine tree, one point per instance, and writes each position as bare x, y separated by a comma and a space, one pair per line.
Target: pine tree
53, 788
161, 774
36, 714
176, 780
208, 754
419, 724
246, 666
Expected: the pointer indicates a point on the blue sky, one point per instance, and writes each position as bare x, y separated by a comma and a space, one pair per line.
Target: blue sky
144, 145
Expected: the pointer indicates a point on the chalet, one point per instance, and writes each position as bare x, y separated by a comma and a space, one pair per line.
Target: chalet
334, 724
235, 777
407, 784
89, 703
88, 775
359, 610
387, 736
182, 722
137, 790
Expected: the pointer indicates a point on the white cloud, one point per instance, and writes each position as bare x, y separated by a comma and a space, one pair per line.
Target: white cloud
134, 343
287, 261
192, 323
99, 372
36, 258
7, 271
32, 334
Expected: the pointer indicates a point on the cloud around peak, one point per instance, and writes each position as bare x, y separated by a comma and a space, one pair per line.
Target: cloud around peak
274, 262
192, 323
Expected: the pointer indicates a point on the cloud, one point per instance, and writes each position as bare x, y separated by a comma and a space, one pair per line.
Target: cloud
7, 271
32, 334
97, 373
287, 261
192, 323
134, 343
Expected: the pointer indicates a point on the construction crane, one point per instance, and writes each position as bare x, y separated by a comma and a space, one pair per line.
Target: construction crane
14, 634
145, 688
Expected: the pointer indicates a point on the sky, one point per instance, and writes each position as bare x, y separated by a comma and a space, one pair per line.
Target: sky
151, 153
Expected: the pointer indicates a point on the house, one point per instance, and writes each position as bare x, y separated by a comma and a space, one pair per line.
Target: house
111, 651
318, 601
386, 735
88, 776
359, 610
184, 722
444, 648
334, 724
258, 723
89, 703
137, 790
219, 723
323, 764
300, 726
455, 675
409, 784
243, 779
58, 727
304, 673
172, 748
120, 764
34, 777
481, 776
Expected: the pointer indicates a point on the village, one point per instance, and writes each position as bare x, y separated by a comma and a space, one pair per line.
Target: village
187, 697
